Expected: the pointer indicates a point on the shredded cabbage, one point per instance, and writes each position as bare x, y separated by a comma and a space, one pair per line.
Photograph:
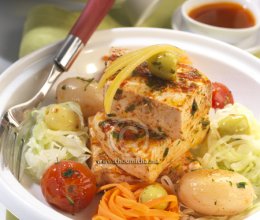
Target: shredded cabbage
237, 152
46, 146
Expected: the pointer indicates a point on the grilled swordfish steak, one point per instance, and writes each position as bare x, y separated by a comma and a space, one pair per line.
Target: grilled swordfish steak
178, 108
154, 121
134, 148
105, 169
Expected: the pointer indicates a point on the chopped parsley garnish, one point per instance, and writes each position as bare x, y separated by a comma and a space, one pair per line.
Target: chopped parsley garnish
157, 63
165, 153
70, 200
130, 108
194, 107
157, 135
118, 94
71, 188
115, 135
204, 123
241, 185
88, 81
68, 173
156, 83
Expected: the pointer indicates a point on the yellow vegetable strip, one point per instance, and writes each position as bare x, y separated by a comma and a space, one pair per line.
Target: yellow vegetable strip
127, 71
121, 62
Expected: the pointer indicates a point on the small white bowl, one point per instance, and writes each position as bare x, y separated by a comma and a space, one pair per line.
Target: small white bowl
229, 35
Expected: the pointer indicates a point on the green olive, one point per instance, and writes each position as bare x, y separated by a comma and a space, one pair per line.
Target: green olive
163, 65
153, 192
233, 124
58, 117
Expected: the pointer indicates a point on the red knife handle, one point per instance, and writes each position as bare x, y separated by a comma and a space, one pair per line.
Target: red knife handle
91, 16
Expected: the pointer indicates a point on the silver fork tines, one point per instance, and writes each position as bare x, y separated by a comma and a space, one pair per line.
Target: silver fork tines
11, 146
13, 132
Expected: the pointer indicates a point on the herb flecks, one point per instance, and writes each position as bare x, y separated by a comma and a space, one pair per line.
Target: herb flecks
118, 94
165, 153
156, 83
71, 188
87, 81
241, 185
115, 135
157, 135
68, 173
204, 123
194, 107
111, 115
130, 108
158, 64
70, 200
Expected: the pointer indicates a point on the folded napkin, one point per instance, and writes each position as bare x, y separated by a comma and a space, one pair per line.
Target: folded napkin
10, 216
46, 24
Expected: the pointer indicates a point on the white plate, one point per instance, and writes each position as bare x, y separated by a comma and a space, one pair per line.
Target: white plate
221, 62
251, 44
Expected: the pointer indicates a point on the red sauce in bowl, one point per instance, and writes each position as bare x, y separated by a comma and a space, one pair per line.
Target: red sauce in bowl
223, 14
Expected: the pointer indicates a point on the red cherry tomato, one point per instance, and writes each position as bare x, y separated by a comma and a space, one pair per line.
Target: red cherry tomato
69, 186
221, 95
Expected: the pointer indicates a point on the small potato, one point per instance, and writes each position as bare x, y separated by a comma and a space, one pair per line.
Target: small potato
215, 192
151, 192
82, 91
58, 117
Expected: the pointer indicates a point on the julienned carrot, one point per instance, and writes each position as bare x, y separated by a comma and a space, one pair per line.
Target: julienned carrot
120, 202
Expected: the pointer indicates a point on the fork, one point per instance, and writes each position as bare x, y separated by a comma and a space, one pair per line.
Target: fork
13, 134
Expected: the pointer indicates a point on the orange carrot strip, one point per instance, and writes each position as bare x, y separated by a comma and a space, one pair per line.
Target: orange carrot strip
164, 199
113, 205
103, 210
120, 202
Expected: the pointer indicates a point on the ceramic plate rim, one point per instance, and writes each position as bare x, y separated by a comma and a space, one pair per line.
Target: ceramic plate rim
36, 209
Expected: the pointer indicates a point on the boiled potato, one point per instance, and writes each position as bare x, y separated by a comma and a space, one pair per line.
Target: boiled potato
151, 192
82, 91
58, 117
215, 192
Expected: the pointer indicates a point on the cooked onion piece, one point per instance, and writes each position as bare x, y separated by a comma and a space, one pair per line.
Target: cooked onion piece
82, 91
215, 192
